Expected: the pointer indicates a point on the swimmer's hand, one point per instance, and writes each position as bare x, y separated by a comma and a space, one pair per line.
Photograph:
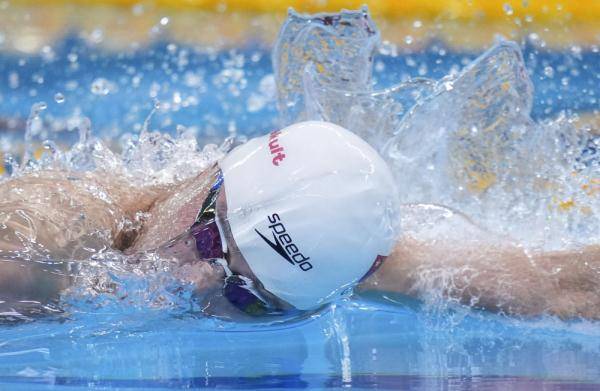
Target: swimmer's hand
443, 255
207, 277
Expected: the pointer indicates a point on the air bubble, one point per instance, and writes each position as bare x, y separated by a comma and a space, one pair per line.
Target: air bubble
549, 72
508, 10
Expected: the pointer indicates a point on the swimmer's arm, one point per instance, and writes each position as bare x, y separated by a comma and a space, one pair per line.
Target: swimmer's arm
499, 277
39, 211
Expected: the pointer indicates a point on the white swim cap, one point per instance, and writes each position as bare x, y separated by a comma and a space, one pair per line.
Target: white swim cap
311, 207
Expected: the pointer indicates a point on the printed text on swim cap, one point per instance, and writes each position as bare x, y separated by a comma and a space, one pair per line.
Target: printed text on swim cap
284, 245
275, 148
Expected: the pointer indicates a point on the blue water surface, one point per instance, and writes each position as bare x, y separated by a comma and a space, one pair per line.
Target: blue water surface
353, 343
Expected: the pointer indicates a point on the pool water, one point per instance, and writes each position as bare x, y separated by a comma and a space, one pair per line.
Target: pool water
368, 342
362, 345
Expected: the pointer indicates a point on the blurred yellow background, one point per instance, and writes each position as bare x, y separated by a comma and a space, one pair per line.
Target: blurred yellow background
464, 9
28, 25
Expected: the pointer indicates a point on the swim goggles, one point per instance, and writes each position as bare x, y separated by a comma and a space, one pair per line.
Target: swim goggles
209, 244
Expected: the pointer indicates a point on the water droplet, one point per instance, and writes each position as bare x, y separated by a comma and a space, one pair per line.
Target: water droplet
255, 57
71, 85
508, 10
164, 21
417, 24
549, 72
85, 130
10, 163
387, 48
232, 127
96, 36
408, 39
59, 98
137, 9
154, 90
101, 86
180, 130
50, 146
37, 78
177, 98
48, 53
37, 108
448, 85
33, 127
135, 81
13, 80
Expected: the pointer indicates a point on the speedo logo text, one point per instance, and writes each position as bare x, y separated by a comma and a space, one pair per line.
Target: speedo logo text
284, 245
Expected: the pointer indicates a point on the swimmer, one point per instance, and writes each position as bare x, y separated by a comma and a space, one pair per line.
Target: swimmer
287, 221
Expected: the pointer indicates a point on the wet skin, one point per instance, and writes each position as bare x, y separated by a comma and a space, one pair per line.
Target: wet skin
52, 215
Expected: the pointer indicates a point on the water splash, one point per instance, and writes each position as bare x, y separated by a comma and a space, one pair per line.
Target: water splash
103, 278
472, 145
466, 141
341, 47
32, 128
374, 116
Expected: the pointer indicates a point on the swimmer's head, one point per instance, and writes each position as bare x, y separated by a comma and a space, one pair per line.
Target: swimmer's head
311, 208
